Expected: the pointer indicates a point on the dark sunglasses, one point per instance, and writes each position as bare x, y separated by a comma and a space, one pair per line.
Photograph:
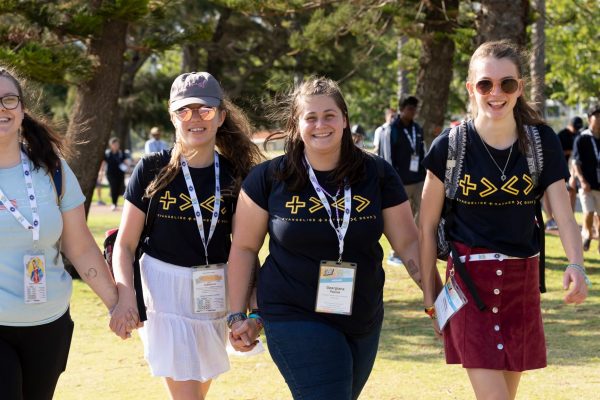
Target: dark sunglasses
184, 114
10, 102
486, 86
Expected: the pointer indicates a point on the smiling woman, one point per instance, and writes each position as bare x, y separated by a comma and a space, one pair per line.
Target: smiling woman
325, 204
185, 334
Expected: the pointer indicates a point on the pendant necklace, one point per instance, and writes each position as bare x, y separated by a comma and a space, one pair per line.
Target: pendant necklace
502, 170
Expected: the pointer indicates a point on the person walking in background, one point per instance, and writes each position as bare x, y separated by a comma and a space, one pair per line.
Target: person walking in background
325, 204
407, 152
155, 144
116, 163
567, 138
381, 138
39, 216
358, 135
493, 231
586, 162
183, 266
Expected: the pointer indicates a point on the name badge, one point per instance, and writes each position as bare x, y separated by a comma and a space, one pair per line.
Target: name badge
414, 163
208, 288
449, 301
34, 278
336, 287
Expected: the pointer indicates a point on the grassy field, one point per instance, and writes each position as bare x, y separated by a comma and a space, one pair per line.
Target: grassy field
410, 363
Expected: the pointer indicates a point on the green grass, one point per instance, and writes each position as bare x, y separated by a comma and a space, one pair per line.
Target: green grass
410, 363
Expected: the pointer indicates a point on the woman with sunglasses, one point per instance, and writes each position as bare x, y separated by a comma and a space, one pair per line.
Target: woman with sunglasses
39, 216
325, 205
183, 267
493, 228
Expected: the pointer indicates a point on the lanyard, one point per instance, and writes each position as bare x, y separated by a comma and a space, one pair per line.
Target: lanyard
35, 227
339, 230
413, 139
194, 198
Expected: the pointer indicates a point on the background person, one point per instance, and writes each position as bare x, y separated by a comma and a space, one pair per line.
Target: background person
155, 144
493, 228
324, 201
35, 289
381, 138
586, 161
116, 163
185, 344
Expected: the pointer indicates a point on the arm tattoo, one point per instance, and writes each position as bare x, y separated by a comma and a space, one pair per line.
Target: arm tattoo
91, 273
413, 271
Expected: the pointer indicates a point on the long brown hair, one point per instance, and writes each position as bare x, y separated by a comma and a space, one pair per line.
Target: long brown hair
233, 141
44, 146
286, 110
523, 112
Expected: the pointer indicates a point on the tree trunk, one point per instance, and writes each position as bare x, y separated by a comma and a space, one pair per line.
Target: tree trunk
190, 61
95, 105
435, 64
538, 68
503, 19
214, 63
402, 76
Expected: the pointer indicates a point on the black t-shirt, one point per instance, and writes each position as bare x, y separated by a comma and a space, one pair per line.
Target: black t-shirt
301, 236
583, 154
402, 150
174, 237
491, 213
113, 160
567, 138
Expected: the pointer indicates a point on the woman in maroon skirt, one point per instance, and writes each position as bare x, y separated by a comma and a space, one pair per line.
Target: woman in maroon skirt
493, 227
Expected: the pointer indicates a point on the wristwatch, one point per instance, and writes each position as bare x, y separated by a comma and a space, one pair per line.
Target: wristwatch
235, 317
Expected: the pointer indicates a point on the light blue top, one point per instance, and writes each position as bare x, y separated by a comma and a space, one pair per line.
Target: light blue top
15, 242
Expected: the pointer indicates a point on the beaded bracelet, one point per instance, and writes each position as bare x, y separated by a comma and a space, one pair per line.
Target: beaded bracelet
581, 269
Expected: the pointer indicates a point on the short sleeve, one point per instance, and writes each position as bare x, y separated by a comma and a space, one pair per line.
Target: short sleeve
257, 183
554, 164
73, 196
576, 155
142, 175
435, 159
392, 190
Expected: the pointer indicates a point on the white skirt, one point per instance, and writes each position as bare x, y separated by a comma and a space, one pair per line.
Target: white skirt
178, 343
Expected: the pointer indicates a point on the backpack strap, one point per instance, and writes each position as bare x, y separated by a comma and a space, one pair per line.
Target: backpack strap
535, 163
157, 161
57, 180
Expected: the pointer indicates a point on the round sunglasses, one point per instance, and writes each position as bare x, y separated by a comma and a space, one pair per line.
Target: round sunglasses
184, 114
486, 86
10, 102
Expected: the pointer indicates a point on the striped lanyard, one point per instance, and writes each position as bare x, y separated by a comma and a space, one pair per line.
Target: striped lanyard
196, 205
339, 230
412, 139
35, 226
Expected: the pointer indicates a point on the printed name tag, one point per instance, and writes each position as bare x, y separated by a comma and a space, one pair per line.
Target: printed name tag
414, 163
336, 287
208, 288
449, 301
34, 279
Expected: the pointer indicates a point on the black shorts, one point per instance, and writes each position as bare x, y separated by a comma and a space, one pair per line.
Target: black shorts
33, 357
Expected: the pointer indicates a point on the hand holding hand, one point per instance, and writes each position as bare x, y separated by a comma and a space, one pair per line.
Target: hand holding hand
243, 335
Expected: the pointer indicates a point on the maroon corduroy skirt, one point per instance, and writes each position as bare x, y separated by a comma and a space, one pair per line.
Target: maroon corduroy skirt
508, 334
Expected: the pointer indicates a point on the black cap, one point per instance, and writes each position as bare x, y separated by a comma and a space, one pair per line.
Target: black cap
576, 123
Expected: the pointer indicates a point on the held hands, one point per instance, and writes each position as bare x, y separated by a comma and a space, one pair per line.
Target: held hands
125, 317
244, 335
576, 275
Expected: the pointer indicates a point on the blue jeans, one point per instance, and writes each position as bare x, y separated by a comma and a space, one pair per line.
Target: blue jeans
320, 362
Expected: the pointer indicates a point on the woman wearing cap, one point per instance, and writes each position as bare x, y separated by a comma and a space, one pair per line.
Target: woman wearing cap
498, 333
182, 268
